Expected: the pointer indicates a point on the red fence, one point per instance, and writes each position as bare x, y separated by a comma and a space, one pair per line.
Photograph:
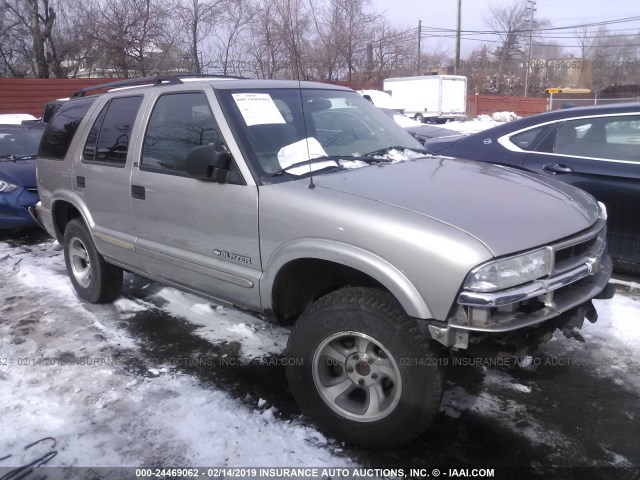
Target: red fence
30, 95
488, 104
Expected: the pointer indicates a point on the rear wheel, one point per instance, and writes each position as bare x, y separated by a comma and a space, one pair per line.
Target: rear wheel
361, 370
419, 117
94, 280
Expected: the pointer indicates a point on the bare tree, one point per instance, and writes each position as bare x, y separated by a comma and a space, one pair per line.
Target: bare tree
265, 50
543, 73
615, 59
510, 23
34, 18
280, 39
198, 17
394, 52
236, 19
135, 37
326, 51
293, 20
15, 50
586, 37
354, 30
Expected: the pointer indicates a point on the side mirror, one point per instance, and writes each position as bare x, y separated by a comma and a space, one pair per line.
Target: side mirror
209, 162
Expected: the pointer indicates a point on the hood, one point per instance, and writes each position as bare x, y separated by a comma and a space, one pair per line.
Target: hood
507, 211
20, 172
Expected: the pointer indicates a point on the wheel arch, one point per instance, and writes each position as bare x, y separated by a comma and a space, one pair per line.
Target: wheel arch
302, 265
64, 210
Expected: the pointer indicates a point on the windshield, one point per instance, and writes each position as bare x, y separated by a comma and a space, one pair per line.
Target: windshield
275, 131
19, 141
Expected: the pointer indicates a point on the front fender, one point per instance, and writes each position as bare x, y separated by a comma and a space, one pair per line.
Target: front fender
354, 257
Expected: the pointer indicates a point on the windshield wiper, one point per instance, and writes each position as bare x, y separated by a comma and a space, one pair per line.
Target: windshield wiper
385, 150
300, 164
367, 158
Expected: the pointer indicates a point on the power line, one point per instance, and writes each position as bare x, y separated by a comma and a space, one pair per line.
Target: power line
546, 29
535, 43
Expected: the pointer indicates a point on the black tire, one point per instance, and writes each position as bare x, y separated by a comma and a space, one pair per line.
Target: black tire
94, 280
419, 117
364, 315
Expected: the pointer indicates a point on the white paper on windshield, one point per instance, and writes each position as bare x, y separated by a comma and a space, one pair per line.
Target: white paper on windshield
258, 108
300, 151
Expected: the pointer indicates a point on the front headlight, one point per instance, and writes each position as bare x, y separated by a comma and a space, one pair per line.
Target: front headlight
6, 187
509, 272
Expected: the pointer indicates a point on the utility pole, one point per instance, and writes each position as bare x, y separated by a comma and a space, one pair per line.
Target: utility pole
457, 66
532, 7
419, 39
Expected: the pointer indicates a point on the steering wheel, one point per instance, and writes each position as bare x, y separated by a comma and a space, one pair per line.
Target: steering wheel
351, 133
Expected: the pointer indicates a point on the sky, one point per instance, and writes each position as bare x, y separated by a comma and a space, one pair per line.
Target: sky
442, 14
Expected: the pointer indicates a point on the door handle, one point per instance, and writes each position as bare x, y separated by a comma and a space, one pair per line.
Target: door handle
555, 168
137, 191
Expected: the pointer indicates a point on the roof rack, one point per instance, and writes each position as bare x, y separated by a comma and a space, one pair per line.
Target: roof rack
155, 80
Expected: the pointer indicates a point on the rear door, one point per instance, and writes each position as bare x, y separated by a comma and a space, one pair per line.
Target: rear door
197, 234
101, 177
600, 155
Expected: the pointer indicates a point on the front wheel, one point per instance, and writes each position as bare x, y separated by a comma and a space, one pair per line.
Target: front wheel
361, 370
419, 118
94, 280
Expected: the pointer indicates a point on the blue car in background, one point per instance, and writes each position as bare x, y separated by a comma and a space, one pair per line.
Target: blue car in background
18, 189
594, 148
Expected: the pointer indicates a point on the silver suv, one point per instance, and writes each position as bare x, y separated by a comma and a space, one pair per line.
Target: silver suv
304, 202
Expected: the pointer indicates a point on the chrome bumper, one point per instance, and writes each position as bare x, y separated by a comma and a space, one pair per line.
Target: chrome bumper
554, 305
533, 289
531, 304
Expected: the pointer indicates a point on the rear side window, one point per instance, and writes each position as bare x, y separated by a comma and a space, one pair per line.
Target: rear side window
62, 127
108, 139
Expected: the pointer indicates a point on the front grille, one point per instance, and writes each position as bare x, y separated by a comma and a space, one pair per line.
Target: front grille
574, 252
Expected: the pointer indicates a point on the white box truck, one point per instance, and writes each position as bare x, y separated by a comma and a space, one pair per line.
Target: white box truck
433, 98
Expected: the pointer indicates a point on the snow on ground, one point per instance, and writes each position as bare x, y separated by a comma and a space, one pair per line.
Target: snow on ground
65, 372
217, 323
76, 372
481, 122
614, 342
507, 412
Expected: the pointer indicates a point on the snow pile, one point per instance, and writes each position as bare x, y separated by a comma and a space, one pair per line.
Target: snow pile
504, 117
481, 122
394, 155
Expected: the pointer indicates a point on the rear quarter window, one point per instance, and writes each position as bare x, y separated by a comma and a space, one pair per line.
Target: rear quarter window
527, 139
62, 127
